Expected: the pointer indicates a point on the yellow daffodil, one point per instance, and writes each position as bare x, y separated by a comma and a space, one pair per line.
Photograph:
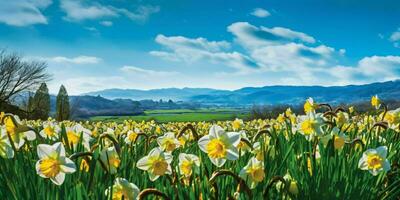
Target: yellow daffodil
6, 150
310, 106
157, 163
53, 163
18, 132
374, 160
375, 102
187, 163
253, 173
110, 158
220, 145
122, 189
168, 142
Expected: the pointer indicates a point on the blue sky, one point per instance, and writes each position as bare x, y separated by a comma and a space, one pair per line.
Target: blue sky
92, 45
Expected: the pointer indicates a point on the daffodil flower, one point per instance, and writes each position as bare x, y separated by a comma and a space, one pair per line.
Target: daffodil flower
50, 130
236, 124
291, 187
53, 163
374, 160
18, 132
310, 106
110, 158
187, 162
123, 189
74, 136
220, 145
253, 173
157, 163
375, 102
311, 125
6, 150
131, 136
168, 142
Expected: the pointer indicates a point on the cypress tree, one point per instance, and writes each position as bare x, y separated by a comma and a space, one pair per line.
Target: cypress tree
41, 103
62, 105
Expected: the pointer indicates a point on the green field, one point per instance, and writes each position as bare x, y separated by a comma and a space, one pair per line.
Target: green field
180, 115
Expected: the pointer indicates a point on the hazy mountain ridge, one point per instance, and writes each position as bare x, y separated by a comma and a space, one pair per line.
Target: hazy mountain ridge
262, 95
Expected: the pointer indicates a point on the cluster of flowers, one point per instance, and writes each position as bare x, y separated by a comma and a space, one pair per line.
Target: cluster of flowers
217, 142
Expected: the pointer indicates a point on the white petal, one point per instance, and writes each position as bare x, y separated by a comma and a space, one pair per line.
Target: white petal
155, 152
386, 166
233, 138
44, 150
143, 163
215, 131
218, 161
168, 157
232, 154
153, 177
68, 166
362, 163
30, 135
203, 141
59, 179
382, 151
59, 147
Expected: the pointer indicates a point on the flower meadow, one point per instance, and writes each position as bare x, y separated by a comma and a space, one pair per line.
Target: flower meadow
327, 153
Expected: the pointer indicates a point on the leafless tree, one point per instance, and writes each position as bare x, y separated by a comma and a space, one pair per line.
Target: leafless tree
17, 75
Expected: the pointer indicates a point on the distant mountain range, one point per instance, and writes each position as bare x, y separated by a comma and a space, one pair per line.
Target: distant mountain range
261, 95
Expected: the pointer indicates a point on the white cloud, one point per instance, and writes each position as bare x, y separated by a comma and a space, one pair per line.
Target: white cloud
106, 23
191, 50
253, 37
75, 60
260, 12
146, 72
23, 12
78, 10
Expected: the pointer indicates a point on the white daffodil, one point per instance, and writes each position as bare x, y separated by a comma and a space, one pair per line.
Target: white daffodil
253, 172
374, 160
122, 189
18, 132
110, 158
310, 125
188, 162
74, 134
157, 163
168, 142
220, 145
50, 130
53, 163
6, 150
392, 117
131, 136
236, 124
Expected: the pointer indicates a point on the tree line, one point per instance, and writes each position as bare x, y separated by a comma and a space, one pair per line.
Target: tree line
18, 77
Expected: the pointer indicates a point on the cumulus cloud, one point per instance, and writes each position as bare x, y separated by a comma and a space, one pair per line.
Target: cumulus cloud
260, 12
23, 12
190, 50
78, 10
74, 60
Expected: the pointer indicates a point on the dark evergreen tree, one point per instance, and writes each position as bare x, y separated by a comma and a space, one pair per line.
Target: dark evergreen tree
62, 105
41, 103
